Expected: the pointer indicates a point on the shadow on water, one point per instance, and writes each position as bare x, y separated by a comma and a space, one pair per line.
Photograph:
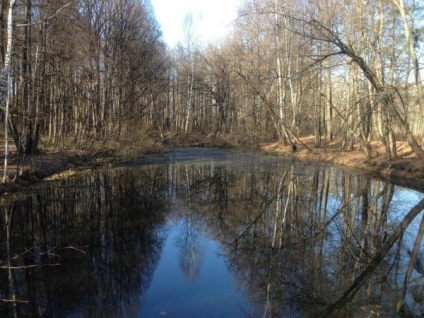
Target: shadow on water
296, 240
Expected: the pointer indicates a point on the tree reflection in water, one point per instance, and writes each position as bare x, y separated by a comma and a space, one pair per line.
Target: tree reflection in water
94, 240
300, 240
306, 240
188, 242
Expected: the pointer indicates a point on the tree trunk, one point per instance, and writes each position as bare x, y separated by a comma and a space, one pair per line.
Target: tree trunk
5, 76
411, 42
387, 100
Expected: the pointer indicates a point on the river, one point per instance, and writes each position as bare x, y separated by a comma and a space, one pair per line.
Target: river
212, 233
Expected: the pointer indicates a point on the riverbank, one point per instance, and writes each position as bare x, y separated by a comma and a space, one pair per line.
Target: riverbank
51, 160
35, 168
406, 170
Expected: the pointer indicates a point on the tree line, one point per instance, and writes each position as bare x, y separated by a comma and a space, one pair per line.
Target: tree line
86, 69
330, 69
99, 69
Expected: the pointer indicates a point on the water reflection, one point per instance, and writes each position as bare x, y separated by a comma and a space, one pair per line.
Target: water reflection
86, 246
299, 239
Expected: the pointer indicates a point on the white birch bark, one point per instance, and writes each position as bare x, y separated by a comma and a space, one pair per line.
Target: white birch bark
5, 75
189, 33
284, 136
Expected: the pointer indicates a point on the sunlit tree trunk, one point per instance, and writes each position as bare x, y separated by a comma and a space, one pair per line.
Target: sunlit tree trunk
189, 33
6, 81
284, 137
412, 40
329, 107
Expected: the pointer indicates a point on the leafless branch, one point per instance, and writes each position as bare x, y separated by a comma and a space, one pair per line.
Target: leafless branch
15, 301
29, 266
48, 18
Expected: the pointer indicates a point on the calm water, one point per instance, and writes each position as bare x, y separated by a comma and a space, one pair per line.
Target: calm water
212, 233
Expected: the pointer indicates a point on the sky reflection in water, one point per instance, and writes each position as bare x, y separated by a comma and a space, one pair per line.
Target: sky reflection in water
175, 292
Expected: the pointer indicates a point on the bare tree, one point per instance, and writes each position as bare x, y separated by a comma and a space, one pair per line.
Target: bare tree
412, 35
6, 82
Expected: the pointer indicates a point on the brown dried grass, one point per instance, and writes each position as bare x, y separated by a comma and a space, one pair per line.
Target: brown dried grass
406, 169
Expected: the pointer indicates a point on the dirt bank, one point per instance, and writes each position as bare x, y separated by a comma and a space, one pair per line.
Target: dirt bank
51, 160
406, 170
37, 167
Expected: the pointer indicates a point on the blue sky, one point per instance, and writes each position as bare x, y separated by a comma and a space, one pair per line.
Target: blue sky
212, 18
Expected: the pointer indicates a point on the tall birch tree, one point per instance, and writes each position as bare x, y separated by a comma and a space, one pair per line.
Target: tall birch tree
6, 82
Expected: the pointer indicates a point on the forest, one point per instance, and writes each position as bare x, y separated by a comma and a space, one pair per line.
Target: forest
79, 71
82, 74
